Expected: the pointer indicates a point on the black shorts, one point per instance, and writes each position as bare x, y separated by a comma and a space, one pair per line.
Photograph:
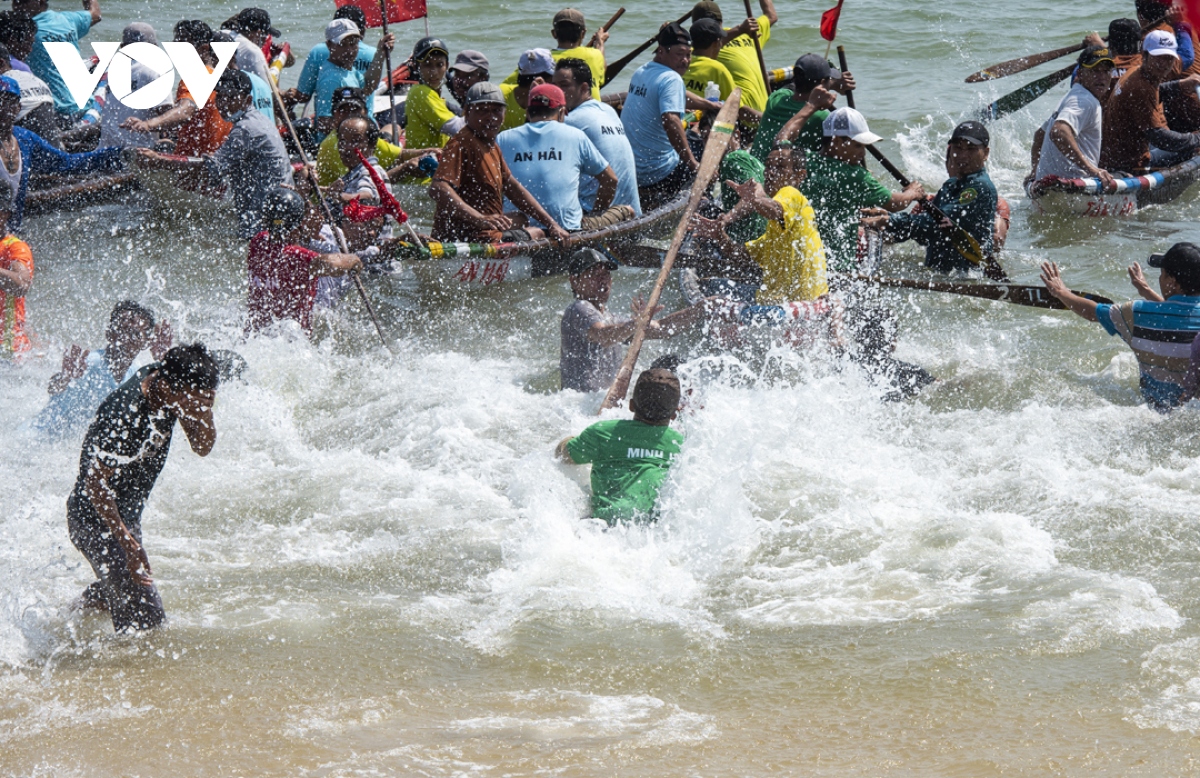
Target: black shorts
664, 191
130, 604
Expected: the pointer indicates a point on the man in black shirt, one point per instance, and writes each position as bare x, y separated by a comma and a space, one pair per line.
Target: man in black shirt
123, 452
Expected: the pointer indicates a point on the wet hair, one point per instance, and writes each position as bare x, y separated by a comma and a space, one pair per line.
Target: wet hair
193, 31
656, 395
667, 362
353, 13
130, 307
569, 31
581, 72
1125, 36
1152, 10
15, 27
190, 367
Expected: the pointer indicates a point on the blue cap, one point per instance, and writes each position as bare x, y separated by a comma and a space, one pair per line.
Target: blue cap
9, 84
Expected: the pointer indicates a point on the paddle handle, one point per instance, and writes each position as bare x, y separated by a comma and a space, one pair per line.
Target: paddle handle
887, 163
1021, 64
387, 57
762, 63
613, 20
312, 174
714, 151
614, 68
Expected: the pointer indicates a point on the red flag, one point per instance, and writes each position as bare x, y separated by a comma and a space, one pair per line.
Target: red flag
1191, 12
397, 10
829, 21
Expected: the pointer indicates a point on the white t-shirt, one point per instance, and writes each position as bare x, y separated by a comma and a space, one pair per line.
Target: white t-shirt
34, 91
1082, 111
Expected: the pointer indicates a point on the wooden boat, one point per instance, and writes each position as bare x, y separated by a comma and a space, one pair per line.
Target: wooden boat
480, 265
1088, 197
76, 192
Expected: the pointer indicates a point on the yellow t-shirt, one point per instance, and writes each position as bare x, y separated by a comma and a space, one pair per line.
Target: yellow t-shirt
514, 114
329, 162
593, 57
790, 253
702, 70
426, 113
742, 60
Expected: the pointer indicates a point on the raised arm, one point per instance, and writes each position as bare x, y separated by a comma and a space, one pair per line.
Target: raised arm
1052, 278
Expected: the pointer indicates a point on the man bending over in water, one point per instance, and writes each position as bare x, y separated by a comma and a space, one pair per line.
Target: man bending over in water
630, 458
123, 453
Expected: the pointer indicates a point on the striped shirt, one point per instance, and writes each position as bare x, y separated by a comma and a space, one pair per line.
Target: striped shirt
1161, 336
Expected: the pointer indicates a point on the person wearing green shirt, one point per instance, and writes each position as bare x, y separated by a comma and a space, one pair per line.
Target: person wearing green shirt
810, 72
838, 185
630, 458
738, 53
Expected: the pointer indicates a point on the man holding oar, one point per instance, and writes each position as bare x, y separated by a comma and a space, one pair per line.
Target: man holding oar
813, 78
968, 199
1160, 329
738, 52
1068, 144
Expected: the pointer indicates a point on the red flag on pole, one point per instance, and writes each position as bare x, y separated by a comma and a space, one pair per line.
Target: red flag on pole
397, 10
829, 21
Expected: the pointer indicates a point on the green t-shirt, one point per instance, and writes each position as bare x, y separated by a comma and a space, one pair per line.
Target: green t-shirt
629, 463
701, 71
782, 105
837, 192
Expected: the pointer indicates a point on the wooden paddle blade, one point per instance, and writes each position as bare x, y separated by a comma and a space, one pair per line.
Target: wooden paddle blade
1018, 294
1021, 64
714, 151
1015, 101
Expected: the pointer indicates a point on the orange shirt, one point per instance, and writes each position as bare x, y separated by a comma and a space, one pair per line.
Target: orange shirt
12, 308
205, 131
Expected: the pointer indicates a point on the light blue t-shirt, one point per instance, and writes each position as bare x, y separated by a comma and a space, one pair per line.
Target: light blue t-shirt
320, 55
604, 129
71, 410
655, 89
264, 99
54, 26
330, 78
549, 159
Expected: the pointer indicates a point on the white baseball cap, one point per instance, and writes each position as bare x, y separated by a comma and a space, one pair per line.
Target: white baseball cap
535, 62
340, 29
1160, 43
849, 123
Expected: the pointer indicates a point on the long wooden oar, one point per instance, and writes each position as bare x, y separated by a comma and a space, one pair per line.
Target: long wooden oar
762, 63
312, 174
607, 25
964, 242
714, 151
387, 56
1021, 64
616, 67
1020, 294
1016, 100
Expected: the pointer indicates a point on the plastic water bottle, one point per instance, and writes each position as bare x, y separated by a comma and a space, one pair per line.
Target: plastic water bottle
712, 93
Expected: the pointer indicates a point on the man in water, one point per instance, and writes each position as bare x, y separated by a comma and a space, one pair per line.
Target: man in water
551, 160
1160, 329
592, 338
1068, 144
472, 181
968, 198
87, 377
630, 458
123, 452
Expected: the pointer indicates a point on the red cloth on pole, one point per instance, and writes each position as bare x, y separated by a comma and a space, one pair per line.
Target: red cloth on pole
829, 21
397, 10
1191, 12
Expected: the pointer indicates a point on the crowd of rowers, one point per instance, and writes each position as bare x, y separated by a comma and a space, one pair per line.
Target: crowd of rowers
539, 155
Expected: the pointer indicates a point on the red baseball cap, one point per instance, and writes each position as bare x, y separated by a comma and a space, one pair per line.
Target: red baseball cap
548, 95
